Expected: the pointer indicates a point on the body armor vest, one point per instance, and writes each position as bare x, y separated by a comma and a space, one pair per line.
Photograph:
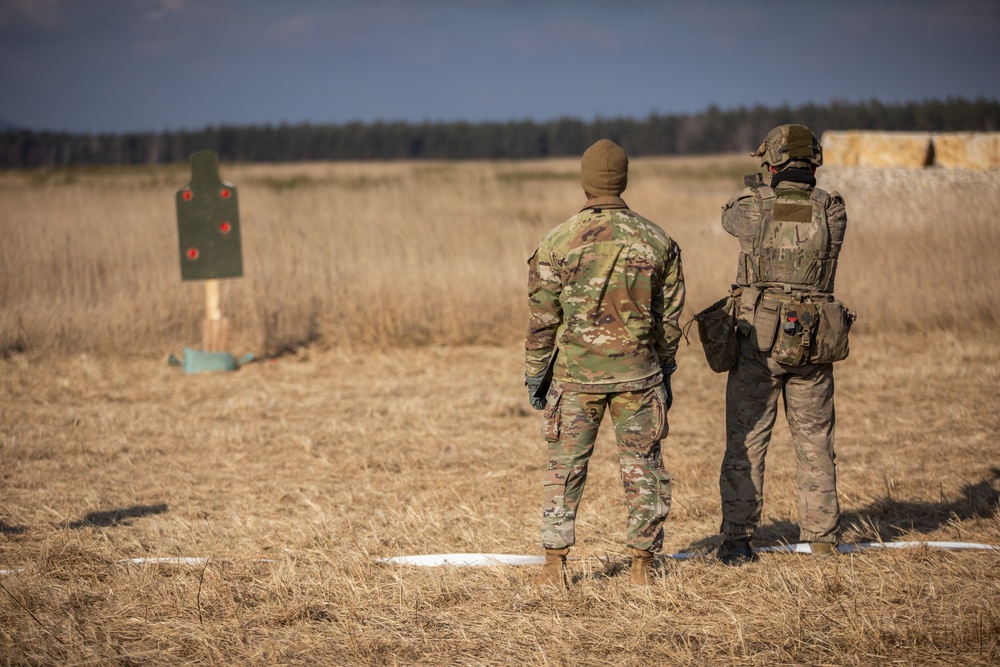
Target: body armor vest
792, 249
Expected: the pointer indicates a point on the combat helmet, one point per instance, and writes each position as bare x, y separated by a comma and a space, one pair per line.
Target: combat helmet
789, 142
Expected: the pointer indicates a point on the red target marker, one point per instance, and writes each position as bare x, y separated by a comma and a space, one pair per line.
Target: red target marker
187, 195
225, 227
226, 194
192, 253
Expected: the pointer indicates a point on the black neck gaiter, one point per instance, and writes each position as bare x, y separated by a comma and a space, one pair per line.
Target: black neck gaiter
795, 176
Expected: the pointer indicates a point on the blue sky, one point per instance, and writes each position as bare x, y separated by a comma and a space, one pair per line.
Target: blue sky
132, 65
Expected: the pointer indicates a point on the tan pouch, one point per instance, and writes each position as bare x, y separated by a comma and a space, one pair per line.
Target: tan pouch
796, 329
832, 333
765, 324
717, 331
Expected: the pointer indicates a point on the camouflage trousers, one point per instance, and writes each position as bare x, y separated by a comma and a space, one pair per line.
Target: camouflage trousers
752, 393
570, 428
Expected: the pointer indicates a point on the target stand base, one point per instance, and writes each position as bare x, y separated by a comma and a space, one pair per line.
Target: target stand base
196, 361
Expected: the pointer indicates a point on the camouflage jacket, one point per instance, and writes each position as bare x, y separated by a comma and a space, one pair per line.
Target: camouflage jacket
606, 289
743, 216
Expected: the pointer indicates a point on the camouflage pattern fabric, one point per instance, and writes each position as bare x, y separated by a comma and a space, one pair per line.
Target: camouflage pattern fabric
758, 380
570, 427
606, 287
789, 142
751, 211
606, 290
752, 393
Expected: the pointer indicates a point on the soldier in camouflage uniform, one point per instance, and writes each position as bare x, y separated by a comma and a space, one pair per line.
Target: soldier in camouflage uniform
788, 325
605, 291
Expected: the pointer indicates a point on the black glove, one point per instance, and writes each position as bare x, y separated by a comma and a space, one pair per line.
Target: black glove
533, 383
667, 372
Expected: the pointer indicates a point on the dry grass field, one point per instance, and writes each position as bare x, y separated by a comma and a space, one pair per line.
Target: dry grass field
386, 415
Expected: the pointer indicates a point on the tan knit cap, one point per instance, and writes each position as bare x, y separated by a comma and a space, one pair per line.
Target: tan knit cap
604, 169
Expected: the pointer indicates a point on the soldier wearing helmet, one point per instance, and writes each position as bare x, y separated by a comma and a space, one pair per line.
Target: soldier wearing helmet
790, 330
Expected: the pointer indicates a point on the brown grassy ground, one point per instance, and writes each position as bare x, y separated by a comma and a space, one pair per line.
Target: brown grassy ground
294, 474
322, 462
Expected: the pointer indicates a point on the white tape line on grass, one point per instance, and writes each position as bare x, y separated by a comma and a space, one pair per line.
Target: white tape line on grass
182, 561
464, 560
481, 560
484, 560
803, 547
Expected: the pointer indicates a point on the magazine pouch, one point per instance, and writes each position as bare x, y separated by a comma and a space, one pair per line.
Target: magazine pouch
765, 324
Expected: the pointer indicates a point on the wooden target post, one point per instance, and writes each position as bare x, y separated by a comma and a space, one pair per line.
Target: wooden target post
215, 333
208, 226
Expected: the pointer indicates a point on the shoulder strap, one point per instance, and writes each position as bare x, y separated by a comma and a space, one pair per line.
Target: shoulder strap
821, 197
767, 196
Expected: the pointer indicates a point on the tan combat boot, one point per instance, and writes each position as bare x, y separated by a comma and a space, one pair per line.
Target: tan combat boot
823, 549
554, 571
642, 567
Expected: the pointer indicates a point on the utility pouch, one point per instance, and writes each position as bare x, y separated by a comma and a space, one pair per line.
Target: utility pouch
832, 332
765, 323
717, 331
796, 331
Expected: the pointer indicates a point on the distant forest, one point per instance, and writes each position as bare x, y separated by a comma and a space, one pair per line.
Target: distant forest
712, 131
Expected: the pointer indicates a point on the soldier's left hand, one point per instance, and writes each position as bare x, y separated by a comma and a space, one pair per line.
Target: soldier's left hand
667, 372
533, 383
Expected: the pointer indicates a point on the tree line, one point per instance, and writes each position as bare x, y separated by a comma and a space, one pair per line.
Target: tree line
714, 130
